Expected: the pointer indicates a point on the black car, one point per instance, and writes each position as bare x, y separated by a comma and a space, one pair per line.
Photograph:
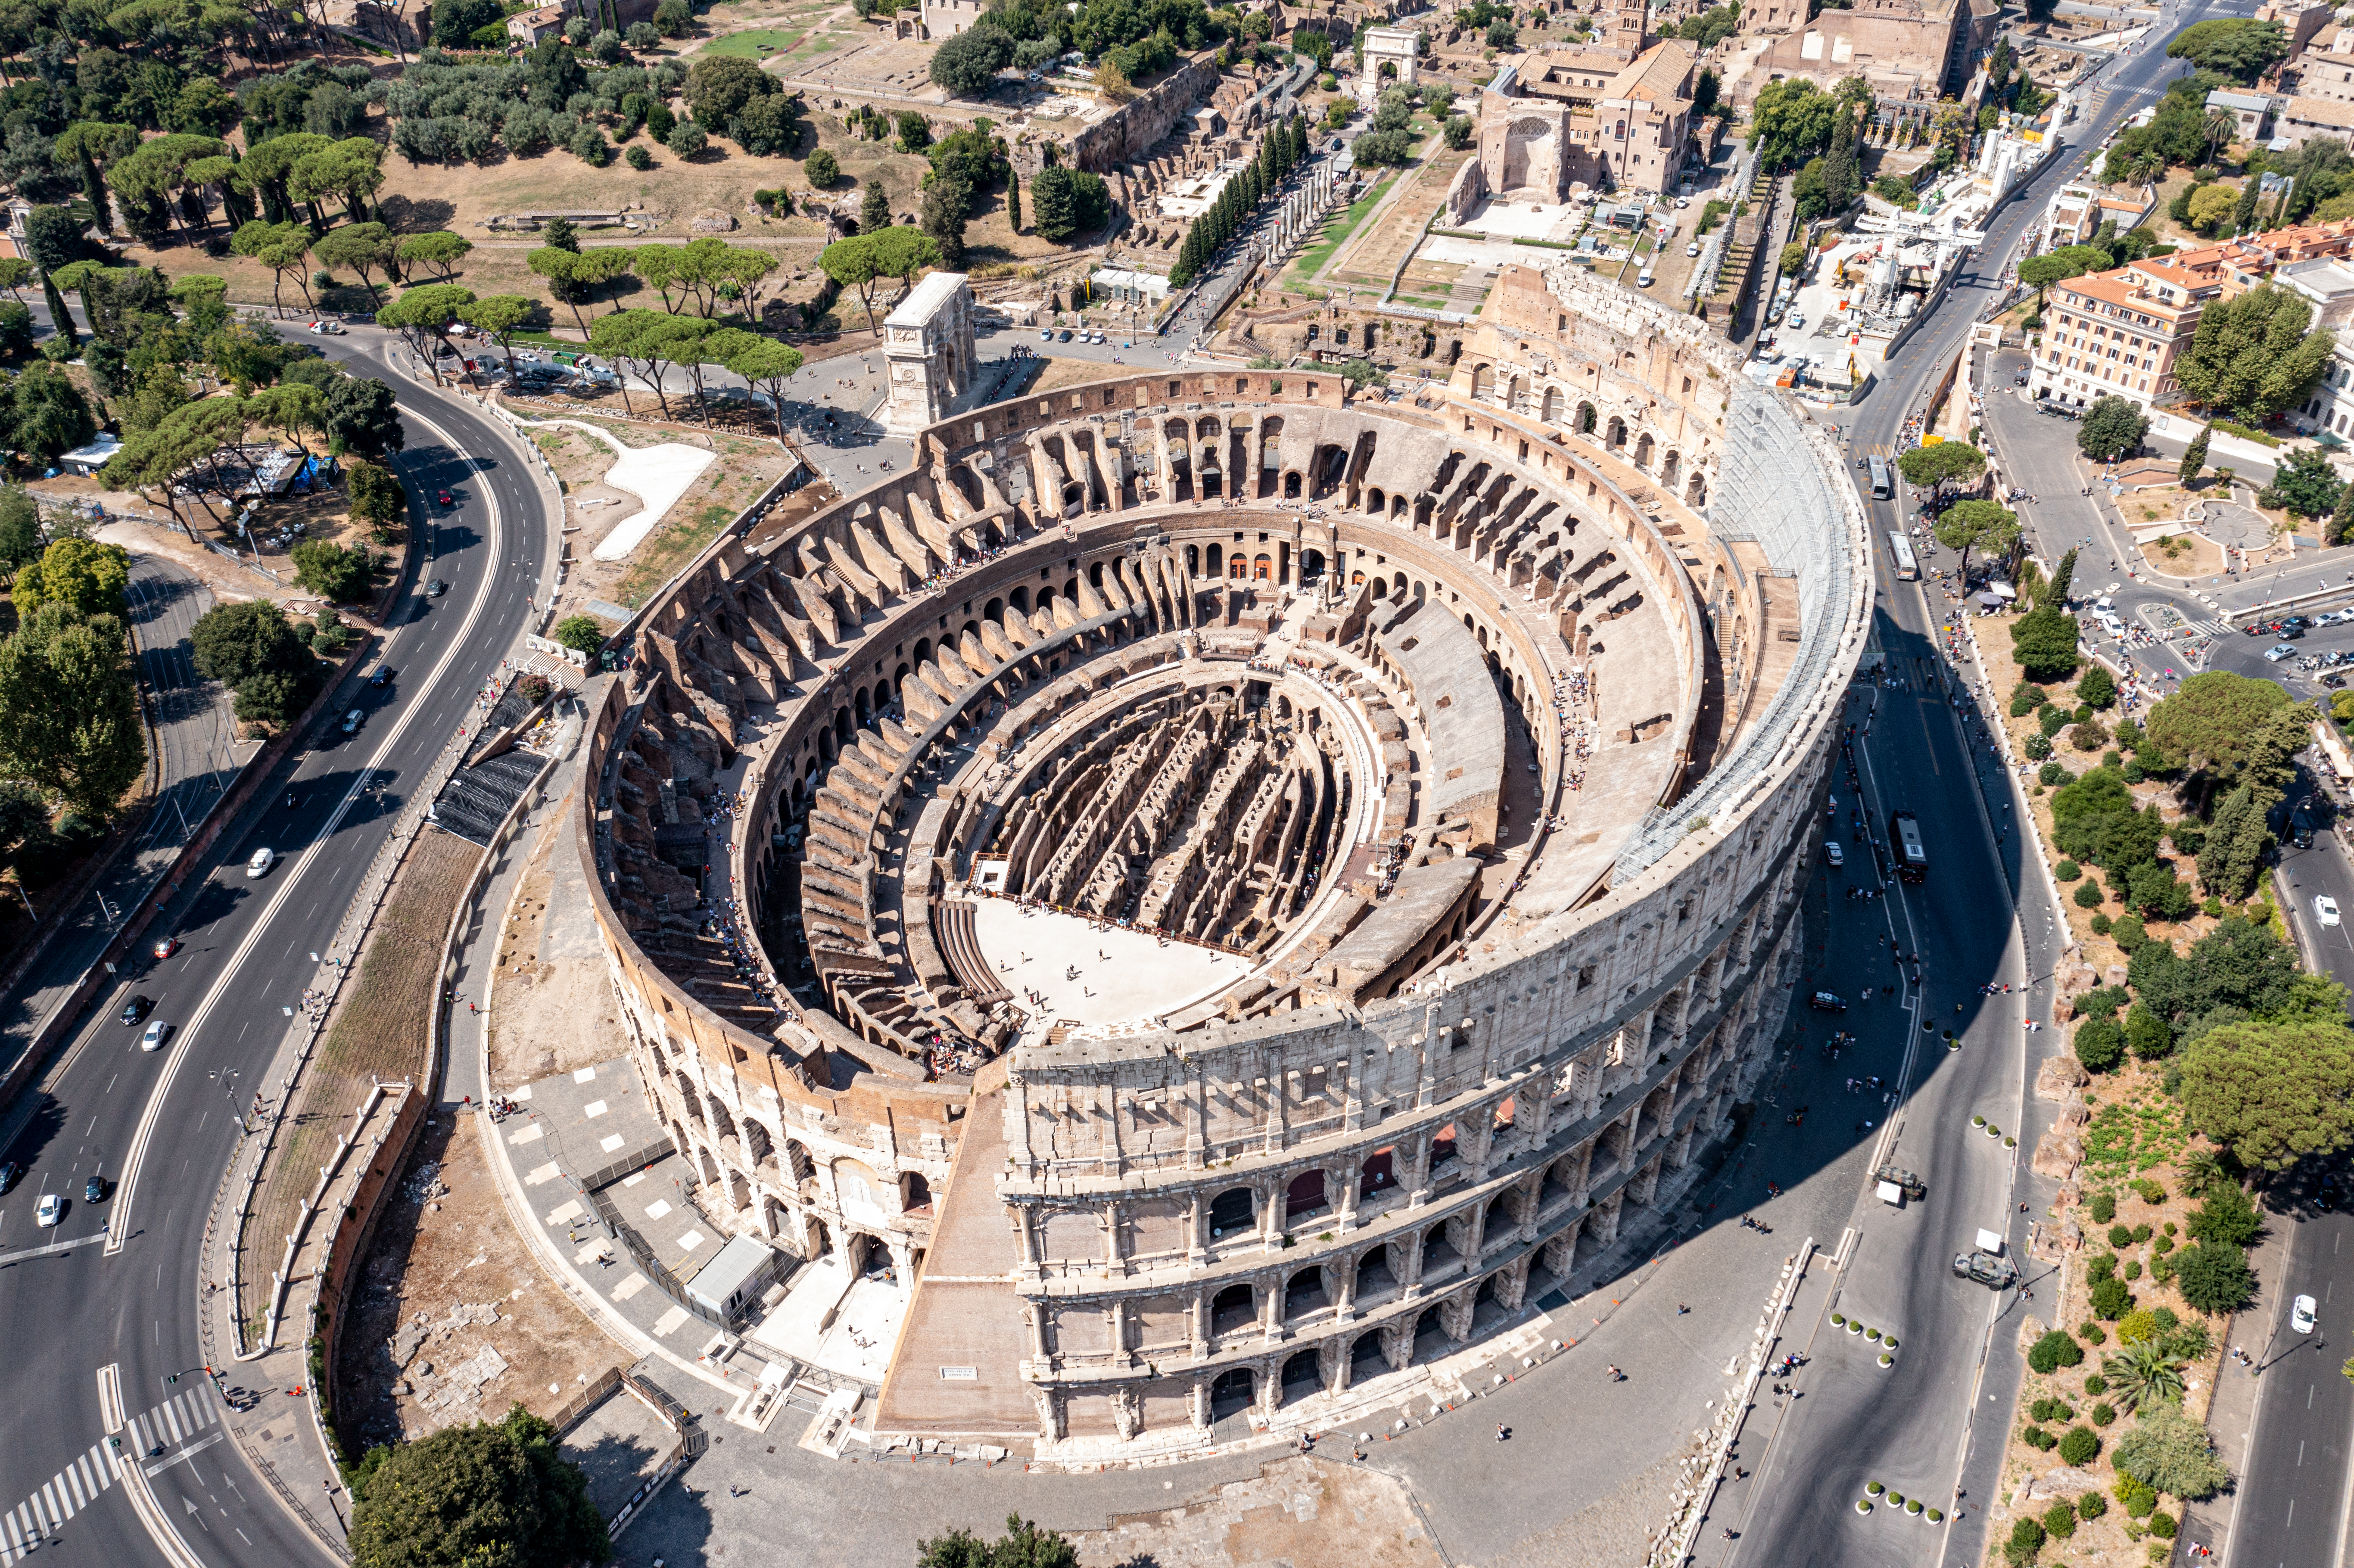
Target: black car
2289, 633
137, 1008
2333, 682
435, 588
381, 676
93, 1190
8, 1174
1825, 1001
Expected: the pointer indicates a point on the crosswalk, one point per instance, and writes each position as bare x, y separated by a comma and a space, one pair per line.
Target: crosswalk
75, 1487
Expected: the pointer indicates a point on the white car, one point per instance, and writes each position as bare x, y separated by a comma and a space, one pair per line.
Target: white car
52, 1210
1794, 322
327, 329
1693, 248
2300, 1315
1834, 852
157, 1033
264, 859
2325, 910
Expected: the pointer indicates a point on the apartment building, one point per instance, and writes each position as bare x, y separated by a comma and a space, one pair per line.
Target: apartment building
2119, 333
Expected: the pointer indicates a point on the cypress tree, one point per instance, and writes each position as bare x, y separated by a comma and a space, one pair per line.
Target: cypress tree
1013, 200
94, 188
60, 317
2341, 517
2195, 458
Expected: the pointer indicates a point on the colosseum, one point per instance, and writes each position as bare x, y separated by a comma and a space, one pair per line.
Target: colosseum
1241, 885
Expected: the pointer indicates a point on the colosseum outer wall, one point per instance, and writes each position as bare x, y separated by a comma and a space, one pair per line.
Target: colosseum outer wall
1282, 1208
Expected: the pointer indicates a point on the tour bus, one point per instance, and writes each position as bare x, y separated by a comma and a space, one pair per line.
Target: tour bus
1900, 551
1905, 841
1883, 485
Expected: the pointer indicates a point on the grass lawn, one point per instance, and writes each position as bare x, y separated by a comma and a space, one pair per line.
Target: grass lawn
752, 44
1336, 234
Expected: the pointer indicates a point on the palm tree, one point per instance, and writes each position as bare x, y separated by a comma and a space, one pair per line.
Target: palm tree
2147, 167
2221, 127
2201, 1170
2143, 1374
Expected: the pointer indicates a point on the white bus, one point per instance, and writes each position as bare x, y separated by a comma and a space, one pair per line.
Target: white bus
1900, 551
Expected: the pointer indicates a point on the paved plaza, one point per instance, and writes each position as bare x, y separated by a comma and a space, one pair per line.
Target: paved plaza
1090, 973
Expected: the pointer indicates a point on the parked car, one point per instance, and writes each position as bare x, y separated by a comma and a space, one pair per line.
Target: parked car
2279, 651
1834, 852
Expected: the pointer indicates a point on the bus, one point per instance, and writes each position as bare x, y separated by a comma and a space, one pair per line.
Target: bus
1900, 551
1882, 486
1905, 843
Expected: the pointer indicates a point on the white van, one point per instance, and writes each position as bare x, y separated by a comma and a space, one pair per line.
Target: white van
262, 861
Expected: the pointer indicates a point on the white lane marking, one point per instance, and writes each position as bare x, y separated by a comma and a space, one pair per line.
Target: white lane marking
120, 1232
189, 1452
171, 1422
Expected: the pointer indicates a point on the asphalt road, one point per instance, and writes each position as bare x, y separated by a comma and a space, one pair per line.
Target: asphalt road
191, 734
2295, 1478
1932, 1426
244, 959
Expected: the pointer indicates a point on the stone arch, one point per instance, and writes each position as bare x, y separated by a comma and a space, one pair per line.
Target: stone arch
1233, 1211
1550, 409
1233, 1309
1671, 470
1585, 418
1696, 491
1305, 1292
1643, 445
1616, 434
1231, 1393
1483, 381
1307, 1194
1303, 1376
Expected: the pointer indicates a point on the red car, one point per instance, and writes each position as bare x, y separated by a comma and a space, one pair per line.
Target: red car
167, 946
446, 499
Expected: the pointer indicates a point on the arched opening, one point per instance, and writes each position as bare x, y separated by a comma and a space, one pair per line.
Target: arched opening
1617, 432
1262, 569
1430, 1340
1291, 485
1585, 418
1238, 569
1311, 565
1231, 1393
1550, 409
1231, 1308
1231, 1212
1020, 600
1304, 1197
1192, 560
1366, 1357
1483, 381
1215, 559
1379, 1172
1442, 1148
1643, 450
917, 1198
1302, 1377
1304, 1292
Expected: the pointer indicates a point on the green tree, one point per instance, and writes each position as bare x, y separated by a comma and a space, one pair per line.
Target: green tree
235, 642
424, 315
2025, 1541
83, 575
334, 572
2043, 640
2194, 457
376, 496
1935, 467
284, 248
69, 712
1791, 118
764, 363
2111, 428
2040, 272
968, 64
2168, 1452
2099, 1044
20, 530
361, 246
2142, 1373
2098, 688
861, 260
357, 415
581, 633
1986, 525
2208, 724
493, 1494
823, 170
440, 251
875, 206
2229, 1215
2271, 1093
2238, 48
2253, 356
2306, 484
1024, 1545
500, 316
719, 86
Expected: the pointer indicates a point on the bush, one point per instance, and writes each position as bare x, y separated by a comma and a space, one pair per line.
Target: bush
2162, 1526
2078, 1445
2036, 1438
2121, 1236
581, 633
2059, 1521
2026, 1541
823, 169
2092, 1505
2128, 933
2025, 698
2104, 1413
2111, 1299
2100, 924
638, 158
2055, 1349
2213, 1276
2093, 1381
2104, 1205
2037, 748
2088, 894
2067, 869
2147, 1190
2099, 1266
333, 571
2100, 1044
2054, 774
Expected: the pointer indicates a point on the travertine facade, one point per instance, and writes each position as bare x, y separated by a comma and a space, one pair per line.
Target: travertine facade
928, 346
1036, 664
1554, 118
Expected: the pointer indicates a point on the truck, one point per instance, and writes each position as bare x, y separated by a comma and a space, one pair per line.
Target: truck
1985, 1263
1898, 1186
